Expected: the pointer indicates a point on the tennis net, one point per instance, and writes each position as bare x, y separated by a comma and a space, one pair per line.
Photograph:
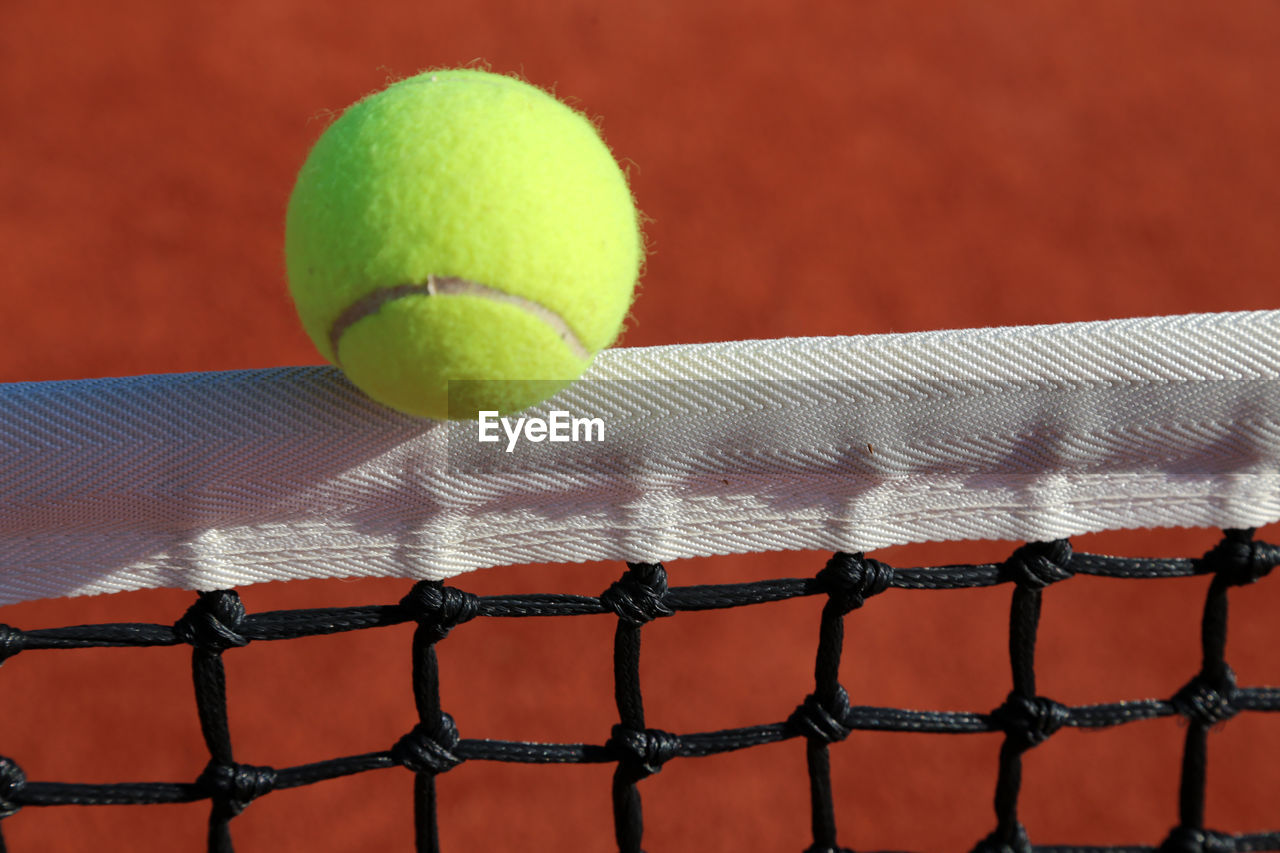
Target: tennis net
217, 622
213, 481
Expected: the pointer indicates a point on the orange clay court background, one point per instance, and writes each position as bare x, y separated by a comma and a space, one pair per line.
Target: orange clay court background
809, 169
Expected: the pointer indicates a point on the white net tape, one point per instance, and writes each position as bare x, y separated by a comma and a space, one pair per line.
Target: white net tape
223, 479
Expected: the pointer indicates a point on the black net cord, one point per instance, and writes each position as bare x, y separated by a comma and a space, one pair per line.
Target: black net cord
1195, 753
638, 597
211, 700
212, 625
426, 696
628, 816
827, 693
426, 829
1024, 623
1026, 718
1207, 699
431, 747
823, 718
217, 622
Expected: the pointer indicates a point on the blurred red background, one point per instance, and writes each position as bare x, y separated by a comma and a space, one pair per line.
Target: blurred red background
809, 169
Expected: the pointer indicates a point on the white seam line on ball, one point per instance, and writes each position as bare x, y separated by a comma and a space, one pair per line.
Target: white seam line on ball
371, 303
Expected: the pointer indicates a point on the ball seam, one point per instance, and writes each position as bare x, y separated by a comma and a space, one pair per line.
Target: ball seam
371, 303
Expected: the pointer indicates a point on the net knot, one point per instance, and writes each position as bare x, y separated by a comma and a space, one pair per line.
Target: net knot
12, 641
1030, 720
1208, 698
213, 622
850, 579
1020, 843
1185, 839
429, 749
646, 750
1239, 560
12, 781
439, 608
236, 785
823, 720
639, 596
1036, 565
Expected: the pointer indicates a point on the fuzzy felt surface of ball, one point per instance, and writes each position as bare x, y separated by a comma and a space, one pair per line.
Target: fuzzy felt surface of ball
461, 241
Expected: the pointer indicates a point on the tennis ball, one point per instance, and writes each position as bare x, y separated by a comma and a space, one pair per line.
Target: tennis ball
461, 225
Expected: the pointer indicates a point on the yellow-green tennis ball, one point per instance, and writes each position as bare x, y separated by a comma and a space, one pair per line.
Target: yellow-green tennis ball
461, 225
